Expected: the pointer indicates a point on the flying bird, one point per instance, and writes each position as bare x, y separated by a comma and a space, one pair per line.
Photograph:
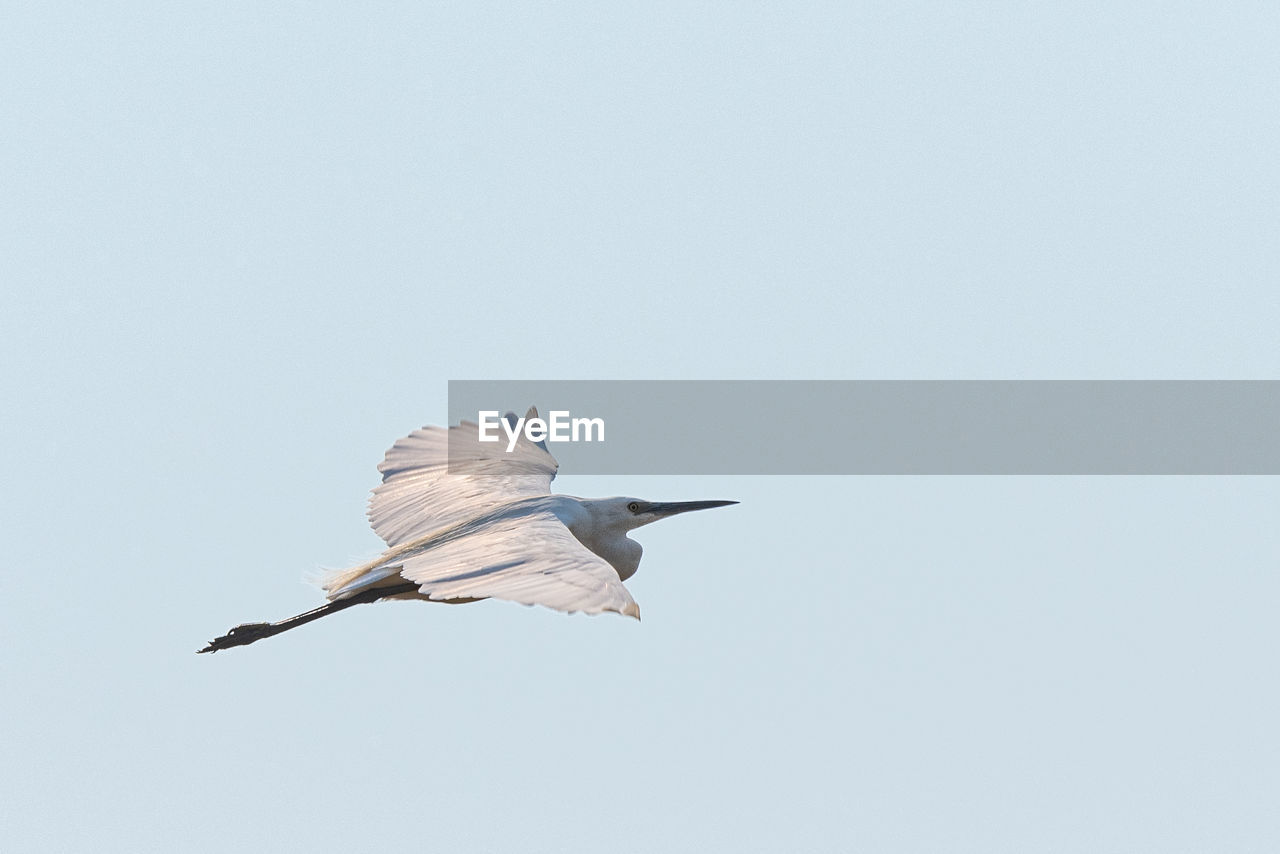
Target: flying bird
465, 520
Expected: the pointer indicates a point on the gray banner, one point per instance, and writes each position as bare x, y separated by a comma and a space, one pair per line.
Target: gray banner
895, 427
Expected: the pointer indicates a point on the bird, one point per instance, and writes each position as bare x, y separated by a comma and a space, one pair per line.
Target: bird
465, 520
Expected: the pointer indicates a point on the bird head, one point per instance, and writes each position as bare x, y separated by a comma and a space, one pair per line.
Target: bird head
631, 513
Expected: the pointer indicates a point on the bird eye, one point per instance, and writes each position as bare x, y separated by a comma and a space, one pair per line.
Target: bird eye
634, 506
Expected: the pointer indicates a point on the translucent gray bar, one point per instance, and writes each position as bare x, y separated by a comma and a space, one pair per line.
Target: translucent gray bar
718, 427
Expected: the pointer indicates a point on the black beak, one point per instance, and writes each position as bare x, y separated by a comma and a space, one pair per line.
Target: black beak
671, 508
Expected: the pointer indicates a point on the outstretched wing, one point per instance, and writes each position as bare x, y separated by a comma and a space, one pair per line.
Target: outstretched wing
532, 559
522, 554
436, 477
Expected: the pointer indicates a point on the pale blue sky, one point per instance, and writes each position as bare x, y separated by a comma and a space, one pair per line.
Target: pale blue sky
242, 250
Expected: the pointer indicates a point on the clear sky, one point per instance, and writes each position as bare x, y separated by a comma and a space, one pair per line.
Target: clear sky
244, 246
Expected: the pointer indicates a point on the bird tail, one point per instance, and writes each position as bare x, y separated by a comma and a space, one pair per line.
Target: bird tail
333, 580
346, 582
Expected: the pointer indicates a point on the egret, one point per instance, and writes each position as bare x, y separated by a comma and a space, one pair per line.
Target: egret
465, 521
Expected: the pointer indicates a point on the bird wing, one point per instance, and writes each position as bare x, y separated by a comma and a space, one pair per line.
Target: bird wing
530, 558
436, 477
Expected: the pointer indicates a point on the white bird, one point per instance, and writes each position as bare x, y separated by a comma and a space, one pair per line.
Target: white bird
465, 520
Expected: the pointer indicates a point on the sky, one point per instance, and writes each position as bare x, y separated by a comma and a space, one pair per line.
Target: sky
244, 248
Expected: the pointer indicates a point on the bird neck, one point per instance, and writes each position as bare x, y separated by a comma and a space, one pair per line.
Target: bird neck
610, 543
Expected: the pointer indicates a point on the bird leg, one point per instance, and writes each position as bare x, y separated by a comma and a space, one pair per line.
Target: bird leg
247, 633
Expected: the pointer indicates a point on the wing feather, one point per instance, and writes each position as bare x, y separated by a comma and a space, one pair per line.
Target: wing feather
531, 558
455, 515
437, 477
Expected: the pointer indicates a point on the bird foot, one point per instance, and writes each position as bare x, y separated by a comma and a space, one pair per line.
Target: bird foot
245, 633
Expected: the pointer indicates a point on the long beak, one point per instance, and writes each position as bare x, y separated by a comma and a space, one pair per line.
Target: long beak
671, 508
